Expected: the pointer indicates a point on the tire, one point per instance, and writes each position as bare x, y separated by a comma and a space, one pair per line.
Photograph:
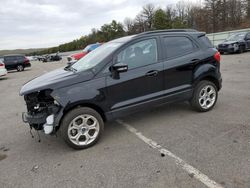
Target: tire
205, 96
20, 68
82, 134
221, 53
241, 49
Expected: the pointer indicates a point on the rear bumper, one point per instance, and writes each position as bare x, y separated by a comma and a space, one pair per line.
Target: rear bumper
3, 72
220, 83
27, 65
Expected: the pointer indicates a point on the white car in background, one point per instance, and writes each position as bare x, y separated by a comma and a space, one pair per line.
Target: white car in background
3, 70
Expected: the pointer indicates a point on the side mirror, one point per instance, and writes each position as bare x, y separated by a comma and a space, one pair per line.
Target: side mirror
118, 68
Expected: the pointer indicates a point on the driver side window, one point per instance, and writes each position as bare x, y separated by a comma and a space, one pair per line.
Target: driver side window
139, 54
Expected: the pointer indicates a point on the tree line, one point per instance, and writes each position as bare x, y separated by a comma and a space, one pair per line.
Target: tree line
209, 16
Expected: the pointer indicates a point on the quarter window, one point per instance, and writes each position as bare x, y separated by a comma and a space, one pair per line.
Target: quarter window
178, 46
248, 36
139, 54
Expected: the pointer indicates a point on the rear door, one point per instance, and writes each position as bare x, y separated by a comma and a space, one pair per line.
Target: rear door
181, 54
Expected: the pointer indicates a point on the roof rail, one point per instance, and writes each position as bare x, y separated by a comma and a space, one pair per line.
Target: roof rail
168, 30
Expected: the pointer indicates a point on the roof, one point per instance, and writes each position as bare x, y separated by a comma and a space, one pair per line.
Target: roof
9, 55
169, 31
123, 39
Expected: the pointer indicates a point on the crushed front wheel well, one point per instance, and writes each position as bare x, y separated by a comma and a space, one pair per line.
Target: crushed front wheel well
93, 106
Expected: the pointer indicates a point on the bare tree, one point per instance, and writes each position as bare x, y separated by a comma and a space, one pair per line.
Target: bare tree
148, 15
128, 24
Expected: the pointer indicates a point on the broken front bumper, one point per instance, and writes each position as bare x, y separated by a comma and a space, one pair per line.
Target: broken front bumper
43, 120
39, 118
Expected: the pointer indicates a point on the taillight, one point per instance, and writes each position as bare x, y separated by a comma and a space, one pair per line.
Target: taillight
1, 64
26, 60
217, 56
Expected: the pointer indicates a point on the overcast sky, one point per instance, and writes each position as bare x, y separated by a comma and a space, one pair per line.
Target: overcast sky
47, 23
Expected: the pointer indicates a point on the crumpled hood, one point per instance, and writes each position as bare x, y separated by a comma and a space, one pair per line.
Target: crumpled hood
232, 42
55, 79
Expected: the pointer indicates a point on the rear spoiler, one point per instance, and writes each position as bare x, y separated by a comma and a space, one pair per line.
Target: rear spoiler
201, 34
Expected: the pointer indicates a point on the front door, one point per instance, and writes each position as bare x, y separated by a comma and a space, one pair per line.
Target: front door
143, 82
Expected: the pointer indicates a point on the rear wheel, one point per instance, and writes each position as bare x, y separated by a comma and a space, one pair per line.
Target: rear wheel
82, 127
204, 96
20, 68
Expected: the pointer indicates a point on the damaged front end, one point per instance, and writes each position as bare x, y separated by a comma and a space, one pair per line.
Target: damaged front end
42, 111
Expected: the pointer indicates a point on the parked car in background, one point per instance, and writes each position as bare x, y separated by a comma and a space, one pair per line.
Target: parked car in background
75, 57
121, 77
32, 58
55, 57
18, 62
41, 57
3, 70
238, 42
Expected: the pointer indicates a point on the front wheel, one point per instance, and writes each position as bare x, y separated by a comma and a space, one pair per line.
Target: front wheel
204, 96
82, 127
241, 49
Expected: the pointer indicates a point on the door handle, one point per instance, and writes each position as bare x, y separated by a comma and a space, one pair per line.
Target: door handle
152, 73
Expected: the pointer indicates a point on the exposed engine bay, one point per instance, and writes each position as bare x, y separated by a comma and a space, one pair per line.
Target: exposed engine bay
41, 111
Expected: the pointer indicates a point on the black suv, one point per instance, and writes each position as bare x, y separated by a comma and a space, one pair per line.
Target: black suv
16, 62
121, 77
238, 42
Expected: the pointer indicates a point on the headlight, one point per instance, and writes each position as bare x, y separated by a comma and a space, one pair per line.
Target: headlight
57, 103
236, 45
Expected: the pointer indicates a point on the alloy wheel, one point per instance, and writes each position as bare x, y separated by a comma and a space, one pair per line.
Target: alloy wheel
83, 130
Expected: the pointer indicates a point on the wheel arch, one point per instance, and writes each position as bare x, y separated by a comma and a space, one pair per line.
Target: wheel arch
97, 108
70, 107
207, 72
213, 80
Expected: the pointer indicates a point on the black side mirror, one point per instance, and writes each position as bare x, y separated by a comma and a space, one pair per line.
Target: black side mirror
118, 68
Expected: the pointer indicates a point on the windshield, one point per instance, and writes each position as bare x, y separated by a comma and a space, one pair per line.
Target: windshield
95, 57
236, 37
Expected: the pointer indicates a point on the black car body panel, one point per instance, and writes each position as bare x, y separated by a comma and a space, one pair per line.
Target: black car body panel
166, 80
54, 80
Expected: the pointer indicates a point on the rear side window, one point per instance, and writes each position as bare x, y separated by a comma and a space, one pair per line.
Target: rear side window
10, 58
178, 46
204, 40
20, 58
